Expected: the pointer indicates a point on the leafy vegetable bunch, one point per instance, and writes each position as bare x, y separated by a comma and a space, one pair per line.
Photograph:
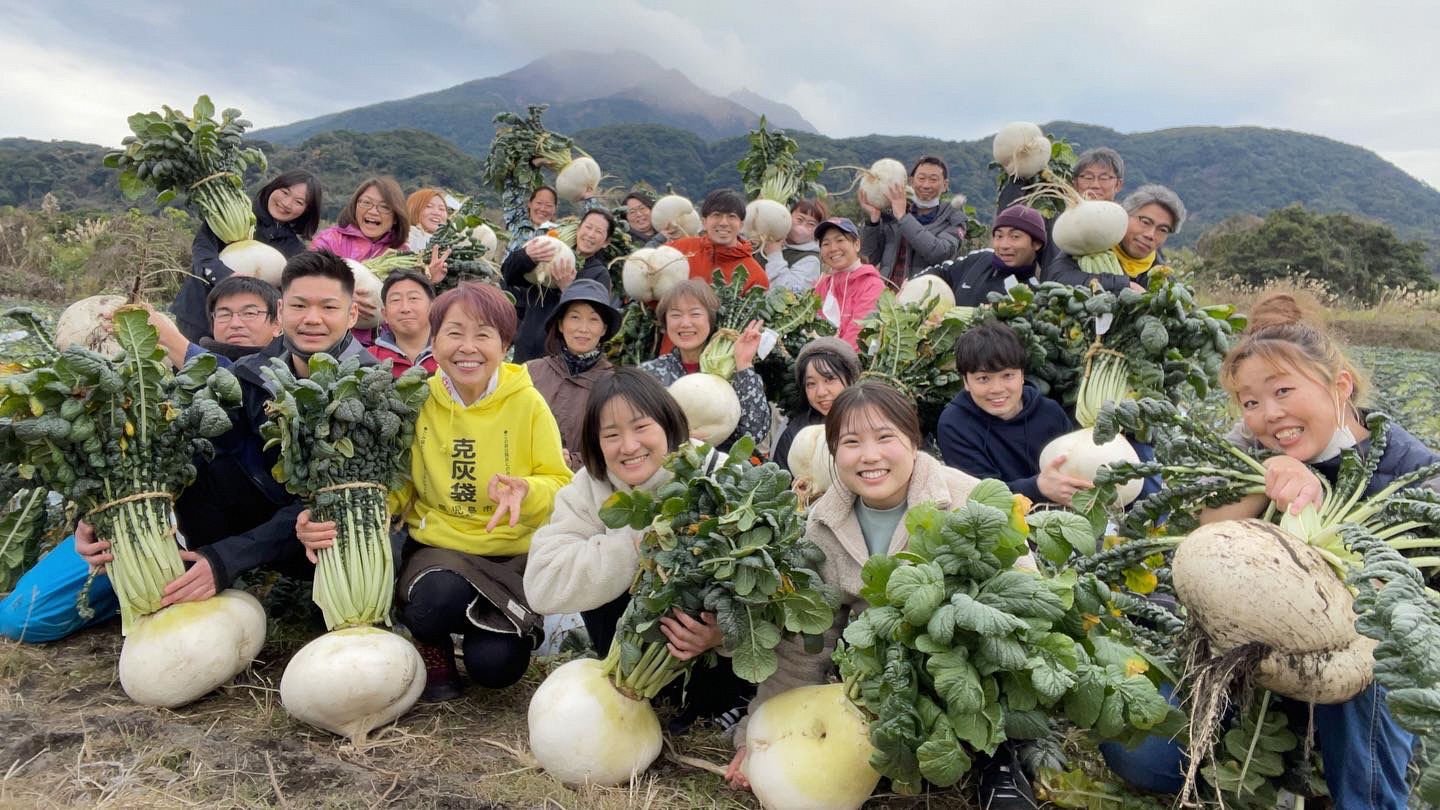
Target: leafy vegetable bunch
959, 651
24, 509
345, 434
770, 170
460, 234
194, 158
724, 536
519, 142
119, 437
1092, 346
904, 346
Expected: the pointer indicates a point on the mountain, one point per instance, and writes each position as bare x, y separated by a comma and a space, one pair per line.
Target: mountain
781, 116
583, 90
1218, 171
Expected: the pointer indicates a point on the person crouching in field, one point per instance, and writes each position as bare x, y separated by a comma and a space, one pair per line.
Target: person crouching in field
235, 517
485, 468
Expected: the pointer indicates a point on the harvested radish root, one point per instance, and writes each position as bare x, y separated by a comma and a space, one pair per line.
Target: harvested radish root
673, 211
875, 182
345, 436
649, 273
811, 464
1021, 149
86, 324
809, 749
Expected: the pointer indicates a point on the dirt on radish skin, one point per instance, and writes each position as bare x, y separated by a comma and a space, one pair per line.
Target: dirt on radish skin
1245, 581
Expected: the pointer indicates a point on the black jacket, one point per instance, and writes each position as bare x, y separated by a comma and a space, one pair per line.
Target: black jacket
1065, 270
235, 513
533, 304
206, 270
781, 452
974, 276
1006, 449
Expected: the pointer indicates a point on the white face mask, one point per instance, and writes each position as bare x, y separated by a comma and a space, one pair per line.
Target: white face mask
1341, 440
933, 202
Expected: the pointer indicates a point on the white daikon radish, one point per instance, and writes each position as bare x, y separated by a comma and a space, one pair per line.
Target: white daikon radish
86, 323
367, 290
255, 259
766, 220
669, 210
183, 652
579, 179
1084, 458
353, 681
583, 731
649, 273
810, 463
544, 273
1021, 148
809, 749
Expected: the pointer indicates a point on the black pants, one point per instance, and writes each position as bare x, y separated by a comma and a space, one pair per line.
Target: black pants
711, 691
436, 608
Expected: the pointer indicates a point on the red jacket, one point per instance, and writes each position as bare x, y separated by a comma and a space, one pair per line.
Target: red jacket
705, 256
385, 348
857, 292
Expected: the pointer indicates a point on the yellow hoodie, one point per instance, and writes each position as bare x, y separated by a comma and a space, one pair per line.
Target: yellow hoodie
459, 449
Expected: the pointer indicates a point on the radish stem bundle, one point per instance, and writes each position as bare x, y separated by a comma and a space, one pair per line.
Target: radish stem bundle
344, 435
119, 437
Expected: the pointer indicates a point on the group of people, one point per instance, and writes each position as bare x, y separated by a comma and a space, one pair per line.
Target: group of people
529, 429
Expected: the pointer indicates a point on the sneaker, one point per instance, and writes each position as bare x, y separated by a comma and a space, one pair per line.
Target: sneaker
727, 721
442, 676
1003, 785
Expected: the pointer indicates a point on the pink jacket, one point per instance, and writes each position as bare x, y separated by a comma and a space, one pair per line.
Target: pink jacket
857, 292
348, 242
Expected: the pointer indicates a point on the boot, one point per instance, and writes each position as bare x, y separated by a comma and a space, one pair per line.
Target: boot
442, 677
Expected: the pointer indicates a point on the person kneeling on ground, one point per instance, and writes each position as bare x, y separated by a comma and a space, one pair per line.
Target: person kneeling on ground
578, 564
235, 517
484, 470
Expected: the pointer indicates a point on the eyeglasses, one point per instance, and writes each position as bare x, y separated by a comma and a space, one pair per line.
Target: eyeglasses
246, 315
363, 204
1096, 178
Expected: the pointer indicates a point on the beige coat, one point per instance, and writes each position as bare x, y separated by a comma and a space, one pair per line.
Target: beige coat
832, 525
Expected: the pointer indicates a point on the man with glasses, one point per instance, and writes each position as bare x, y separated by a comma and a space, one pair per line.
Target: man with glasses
242, 319
1155, 212
1099, 175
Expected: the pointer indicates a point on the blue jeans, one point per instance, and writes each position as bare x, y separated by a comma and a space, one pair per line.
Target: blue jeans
42, 606
1365, 754
1157, 764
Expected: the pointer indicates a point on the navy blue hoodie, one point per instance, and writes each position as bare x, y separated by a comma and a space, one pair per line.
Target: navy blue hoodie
1006, 449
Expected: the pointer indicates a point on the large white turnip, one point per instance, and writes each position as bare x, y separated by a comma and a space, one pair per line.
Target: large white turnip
579, 179
185, 651
809, 749
1021, 149
649, 273
353, 681
1245, 581
255, 259
1084, 458
583, 731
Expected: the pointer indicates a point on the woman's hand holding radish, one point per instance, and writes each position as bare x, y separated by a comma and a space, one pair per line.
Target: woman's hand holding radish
898, 202
689, 637
733, 774
436, 268
314, 535
1057, 486
1291, 484
539, 250
747, 344
507, 492
94, 551
770, 248
562, 273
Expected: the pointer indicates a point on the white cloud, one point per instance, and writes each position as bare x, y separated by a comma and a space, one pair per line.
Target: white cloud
1355, 72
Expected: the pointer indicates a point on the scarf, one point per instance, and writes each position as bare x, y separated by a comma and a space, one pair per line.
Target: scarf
1134, 268
578, 364
1022, 273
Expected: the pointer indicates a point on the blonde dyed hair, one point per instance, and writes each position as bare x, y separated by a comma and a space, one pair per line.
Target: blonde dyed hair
1287, 331
418, 199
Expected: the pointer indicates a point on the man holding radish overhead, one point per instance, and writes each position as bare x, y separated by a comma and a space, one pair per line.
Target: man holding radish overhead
1155, 212
901, 236
721, 247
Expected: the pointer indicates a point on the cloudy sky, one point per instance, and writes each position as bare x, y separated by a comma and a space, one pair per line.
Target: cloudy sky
1363, 73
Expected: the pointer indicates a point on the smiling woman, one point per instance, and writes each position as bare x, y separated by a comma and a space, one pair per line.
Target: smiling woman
574, 335
374, 221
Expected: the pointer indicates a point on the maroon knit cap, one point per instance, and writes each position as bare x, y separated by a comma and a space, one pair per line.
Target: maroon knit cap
1022, 218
